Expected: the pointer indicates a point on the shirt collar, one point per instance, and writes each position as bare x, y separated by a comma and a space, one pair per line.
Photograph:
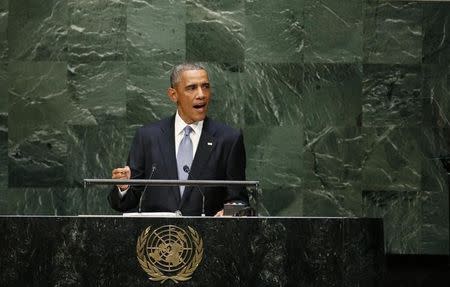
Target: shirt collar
180, 125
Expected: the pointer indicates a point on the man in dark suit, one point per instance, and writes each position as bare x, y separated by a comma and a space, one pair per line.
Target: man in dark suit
187, 145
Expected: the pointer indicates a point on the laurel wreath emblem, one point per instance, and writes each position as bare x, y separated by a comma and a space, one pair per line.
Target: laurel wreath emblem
155, 273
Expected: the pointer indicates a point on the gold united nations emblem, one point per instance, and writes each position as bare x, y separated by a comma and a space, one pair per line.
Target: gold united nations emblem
169, 252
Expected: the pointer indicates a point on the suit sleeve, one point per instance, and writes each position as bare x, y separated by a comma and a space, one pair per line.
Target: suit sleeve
136, 161
235, 170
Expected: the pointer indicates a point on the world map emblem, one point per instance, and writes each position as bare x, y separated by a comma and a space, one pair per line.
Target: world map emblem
169, 252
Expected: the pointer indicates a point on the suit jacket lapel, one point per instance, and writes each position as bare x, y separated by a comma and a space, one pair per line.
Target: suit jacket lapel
167, 147
204, 148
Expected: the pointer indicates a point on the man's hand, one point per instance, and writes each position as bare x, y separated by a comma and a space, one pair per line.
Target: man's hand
122, 173
219, 213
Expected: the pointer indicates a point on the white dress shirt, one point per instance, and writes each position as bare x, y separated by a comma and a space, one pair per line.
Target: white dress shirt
179, 133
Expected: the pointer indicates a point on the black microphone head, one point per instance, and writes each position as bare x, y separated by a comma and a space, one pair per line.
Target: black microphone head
186, 169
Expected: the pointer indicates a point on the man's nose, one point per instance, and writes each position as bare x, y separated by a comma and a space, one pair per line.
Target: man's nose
200, 93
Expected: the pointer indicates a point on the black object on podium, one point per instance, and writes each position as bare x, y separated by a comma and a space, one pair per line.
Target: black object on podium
190, 251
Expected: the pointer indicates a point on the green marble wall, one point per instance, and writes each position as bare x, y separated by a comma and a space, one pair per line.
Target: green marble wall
345, 105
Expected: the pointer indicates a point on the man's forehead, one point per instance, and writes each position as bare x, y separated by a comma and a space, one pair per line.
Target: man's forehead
194, 75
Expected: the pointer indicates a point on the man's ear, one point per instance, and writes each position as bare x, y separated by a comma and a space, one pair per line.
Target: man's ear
172, 94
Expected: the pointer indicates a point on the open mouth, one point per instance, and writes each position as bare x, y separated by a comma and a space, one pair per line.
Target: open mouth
200, 107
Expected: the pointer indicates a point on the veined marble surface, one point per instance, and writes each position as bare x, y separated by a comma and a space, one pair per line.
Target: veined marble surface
345, 107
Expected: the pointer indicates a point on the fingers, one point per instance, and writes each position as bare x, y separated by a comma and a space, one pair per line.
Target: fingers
121, 173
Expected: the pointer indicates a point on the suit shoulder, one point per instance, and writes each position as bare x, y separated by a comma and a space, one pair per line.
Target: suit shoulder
154, 126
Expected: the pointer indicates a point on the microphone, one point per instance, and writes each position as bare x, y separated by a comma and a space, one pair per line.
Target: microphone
143, 193
187, 170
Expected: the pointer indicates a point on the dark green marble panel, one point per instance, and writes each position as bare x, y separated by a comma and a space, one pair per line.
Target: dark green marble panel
332, 164
332, 96
393, 159
436, 91
392, 32
392, 95
282, 200
227, 102
435, 220
99, 88
273, 94
38, 98
37, 30
97, 31
333, 31
93, 152
274, 156
4, 84
436, 28
39, 160
274, 31
4, 13
435, 203
42, 201
147, 85
3, 154
39, 110
402, 220
214, 42
155, 29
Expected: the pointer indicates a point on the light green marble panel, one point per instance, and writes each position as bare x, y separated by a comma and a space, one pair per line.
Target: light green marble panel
436, 91
214, 42
155, 30
37, 30
93, 151
4, 13
332, 162
273, 94
392, 32
38, 98
274, 31
227, 102
274, 156
39, 110
214, 31
392, 159
97, 31
333, 31
99, 88
147, 85
332, 96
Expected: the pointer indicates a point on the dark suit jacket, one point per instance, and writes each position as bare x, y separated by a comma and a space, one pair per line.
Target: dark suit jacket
220, 155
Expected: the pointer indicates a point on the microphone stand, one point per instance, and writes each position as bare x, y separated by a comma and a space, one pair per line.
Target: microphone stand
187, 170
145, 189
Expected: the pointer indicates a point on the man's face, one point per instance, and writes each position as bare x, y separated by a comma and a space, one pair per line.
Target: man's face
191, 94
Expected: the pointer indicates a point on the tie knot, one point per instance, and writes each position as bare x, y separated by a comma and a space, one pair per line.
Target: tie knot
187, 130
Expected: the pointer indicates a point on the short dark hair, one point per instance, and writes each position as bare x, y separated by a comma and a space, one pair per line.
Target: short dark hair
180, 68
